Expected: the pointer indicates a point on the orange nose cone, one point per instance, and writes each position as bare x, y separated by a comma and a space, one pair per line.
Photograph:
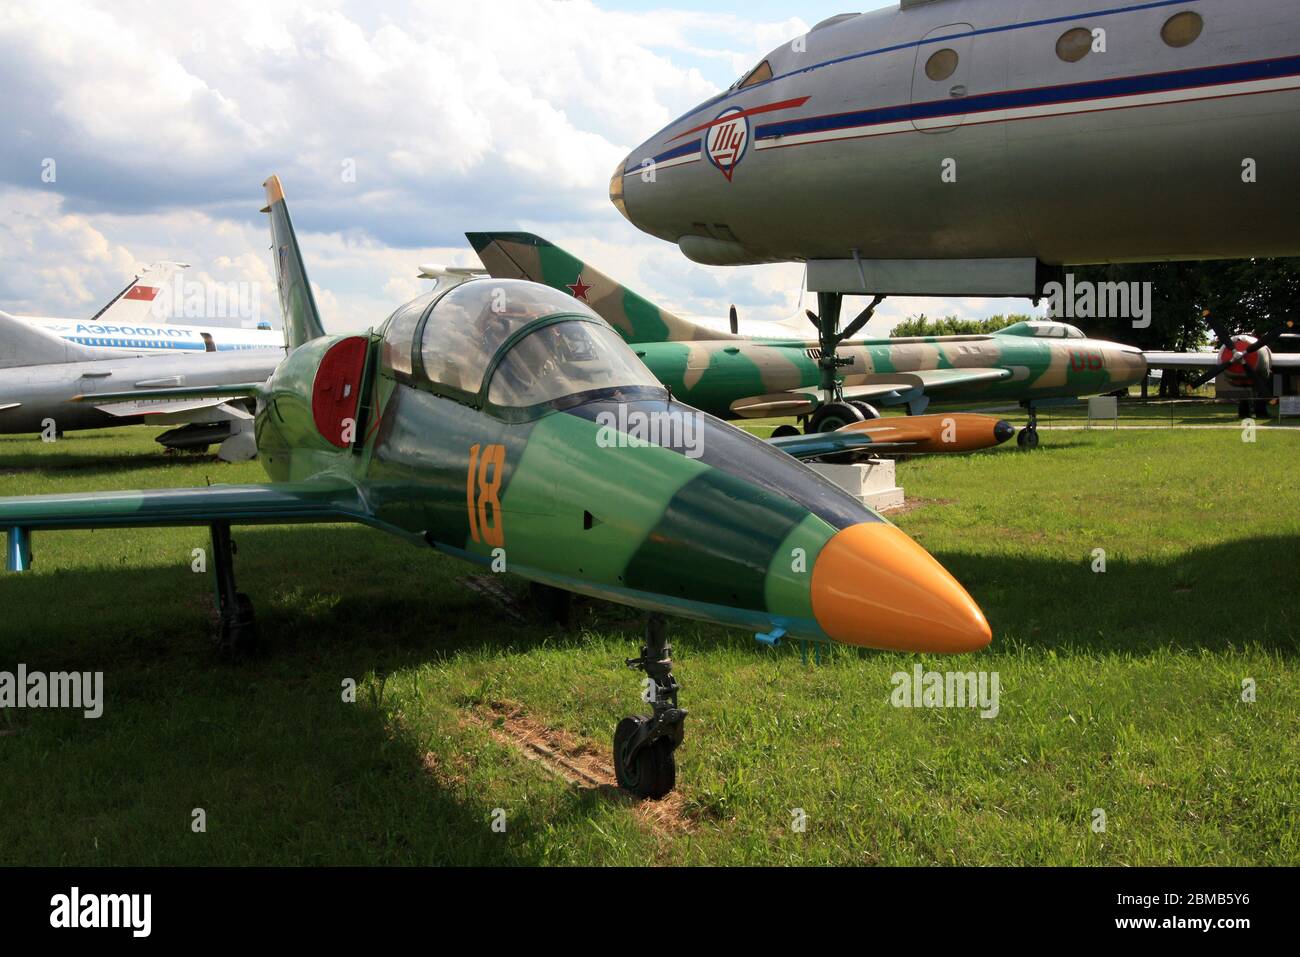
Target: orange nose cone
875, 587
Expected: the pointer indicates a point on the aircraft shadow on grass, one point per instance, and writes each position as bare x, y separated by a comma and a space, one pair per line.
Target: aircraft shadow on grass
421, 610
90, 465
415, 611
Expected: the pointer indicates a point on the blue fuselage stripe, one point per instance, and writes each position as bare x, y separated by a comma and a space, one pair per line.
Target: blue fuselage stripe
1041, 96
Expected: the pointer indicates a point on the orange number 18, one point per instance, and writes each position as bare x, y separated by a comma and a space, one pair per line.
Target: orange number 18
484, 494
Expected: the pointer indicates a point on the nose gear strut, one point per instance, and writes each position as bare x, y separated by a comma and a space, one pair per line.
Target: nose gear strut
644, 744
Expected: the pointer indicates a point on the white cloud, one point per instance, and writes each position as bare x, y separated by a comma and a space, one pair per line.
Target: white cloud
163, 120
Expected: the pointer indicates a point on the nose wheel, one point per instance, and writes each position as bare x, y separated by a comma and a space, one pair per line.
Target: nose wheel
644, 745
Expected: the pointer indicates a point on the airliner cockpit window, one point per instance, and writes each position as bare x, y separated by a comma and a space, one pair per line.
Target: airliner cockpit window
759, 74
566, 358
471, 322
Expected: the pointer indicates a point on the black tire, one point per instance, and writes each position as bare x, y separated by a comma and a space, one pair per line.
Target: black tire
783, 431
652, 771
868, 411
834, 415
1028, 438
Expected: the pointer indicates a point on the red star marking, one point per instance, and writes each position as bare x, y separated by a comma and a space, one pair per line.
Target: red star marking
578, 288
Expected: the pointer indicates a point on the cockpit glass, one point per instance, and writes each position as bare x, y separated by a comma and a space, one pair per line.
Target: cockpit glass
399, 333
563, 359
471, 322
759, 74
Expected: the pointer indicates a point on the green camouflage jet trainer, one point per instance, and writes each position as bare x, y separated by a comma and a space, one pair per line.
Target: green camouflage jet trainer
733, 376
501, 422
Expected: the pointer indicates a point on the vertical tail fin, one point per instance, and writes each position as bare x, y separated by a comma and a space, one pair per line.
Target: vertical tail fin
135, 303
298, 306
525, 256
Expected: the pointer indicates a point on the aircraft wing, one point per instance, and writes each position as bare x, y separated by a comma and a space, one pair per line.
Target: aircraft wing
1181, 360
817, 444
937, 380
1208, 360
198, 393
890, 388
268, 504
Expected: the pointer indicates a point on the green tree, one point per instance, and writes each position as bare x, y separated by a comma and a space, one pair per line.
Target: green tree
1241, 295
952, 326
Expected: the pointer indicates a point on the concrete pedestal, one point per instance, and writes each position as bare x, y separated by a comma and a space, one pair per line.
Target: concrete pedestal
871, 482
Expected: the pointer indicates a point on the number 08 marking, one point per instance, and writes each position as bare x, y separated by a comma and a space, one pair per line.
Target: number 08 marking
483, 494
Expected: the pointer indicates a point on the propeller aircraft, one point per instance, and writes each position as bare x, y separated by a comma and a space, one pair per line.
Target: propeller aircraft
483, 420
1246, 361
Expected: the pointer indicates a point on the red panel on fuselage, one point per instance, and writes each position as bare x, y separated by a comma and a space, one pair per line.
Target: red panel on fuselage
337, 389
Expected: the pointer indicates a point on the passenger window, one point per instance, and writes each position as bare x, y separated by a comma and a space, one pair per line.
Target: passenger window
1182, 29
941, 65
1074, 45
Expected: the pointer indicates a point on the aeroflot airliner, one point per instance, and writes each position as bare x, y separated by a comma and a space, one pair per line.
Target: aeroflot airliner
128, 325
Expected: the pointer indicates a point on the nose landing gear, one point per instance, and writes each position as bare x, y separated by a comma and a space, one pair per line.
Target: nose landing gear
1028, 437
644, 762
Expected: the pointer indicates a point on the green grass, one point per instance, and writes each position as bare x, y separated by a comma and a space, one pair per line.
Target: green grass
1120, 691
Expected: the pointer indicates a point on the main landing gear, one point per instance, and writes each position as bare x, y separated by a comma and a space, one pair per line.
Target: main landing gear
236, 627
644, 744
1252, 409
835, 412
1028, 437
834, 415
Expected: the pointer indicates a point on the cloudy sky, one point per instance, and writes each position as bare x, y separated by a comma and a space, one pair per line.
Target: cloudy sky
141, 131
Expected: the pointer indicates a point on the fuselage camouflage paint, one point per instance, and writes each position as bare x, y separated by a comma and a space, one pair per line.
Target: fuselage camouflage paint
723, 373
717, 377
709, 537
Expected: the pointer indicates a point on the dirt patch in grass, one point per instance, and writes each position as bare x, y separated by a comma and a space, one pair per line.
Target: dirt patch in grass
582, 763
912, 504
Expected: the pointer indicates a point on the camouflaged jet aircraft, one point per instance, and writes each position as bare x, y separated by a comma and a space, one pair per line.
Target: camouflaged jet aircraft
740, 377
493, 420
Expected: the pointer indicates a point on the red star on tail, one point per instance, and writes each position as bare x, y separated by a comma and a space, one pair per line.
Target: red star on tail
578, 288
